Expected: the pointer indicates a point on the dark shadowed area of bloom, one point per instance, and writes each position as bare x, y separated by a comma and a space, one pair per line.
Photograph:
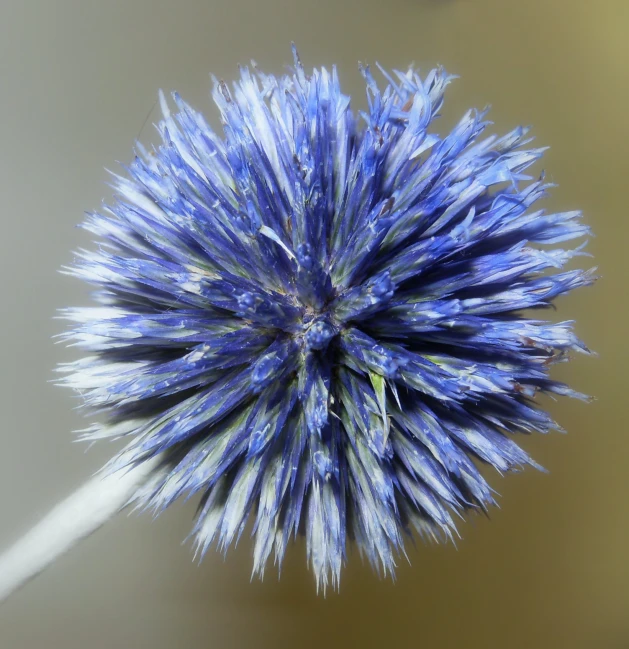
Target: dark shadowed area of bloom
316, 318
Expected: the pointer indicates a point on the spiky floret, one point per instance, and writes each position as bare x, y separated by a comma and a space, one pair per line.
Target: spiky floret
315, 319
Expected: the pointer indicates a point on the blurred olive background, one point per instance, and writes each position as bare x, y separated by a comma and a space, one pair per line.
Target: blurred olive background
78, 84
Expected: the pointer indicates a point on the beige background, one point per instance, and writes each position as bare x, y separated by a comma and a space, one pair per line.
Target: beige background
78, 78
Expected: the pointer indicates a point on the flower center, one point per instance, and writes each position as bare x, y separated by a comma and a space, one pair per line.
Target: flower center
319, 334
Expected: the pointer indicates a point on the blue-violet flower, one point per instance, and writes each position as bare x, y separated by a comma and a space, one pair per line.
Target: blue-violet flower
316, 320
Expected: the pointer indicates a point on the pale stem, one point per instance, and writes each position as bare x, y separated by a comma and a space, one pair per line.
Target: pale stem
72, 520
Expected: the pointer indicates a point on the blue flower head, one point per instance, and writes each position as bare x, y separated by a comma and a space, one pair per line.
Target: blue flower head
316, 320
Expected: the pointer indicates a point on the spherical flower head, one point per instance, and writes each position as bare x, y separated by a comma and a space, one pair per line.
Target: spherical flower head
316, 319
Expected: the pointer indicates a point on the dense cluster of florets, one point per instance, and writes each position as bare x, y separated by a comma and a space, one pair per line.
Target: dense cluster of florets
315, 319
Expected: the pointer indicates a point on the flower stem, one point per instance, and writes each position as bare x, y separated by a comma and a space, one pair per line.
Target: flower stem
70, 521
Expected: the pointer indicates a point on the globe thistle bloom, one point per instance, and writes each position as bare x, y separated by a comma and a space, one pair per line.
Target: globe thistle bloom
315, 320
